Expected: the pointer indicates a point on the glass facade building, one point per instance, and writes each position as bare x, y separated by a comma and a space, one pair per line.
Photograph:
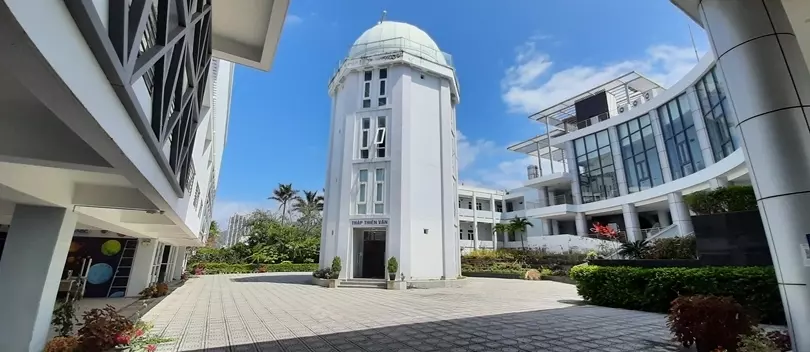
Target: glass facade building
680, 137
640, 156
713, 104
597, 175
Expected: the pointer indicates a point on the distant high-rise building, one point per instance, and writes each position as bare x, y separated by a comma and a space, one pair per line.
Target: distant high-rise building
236, 232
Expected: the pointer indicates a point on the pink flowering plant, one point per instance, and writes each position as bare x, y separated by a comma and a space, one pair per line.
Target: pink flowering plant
138, 338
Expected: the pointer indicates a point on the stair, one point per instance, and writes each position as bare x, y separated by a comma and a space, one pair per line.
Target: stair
362, 283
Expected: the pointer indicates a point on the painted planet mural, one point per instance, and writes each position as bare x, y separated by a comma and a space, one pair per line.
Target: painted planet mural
99, 273
110, 248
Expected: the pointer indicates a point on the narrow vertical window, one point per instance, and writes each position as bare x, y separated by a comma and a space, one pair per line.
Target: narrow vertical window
380, 137
379, 191
381, 99
365, 130
478, 206
361, 191
367, 89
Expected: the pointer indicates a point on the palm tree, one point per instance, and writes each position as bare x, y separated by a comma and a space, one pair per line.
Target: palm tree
519, 224
284, 194
634, 250
502, 229
310, 202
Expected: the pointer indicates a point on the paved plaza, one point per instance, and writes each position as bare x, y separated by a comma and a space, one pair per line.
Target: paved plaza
282, 312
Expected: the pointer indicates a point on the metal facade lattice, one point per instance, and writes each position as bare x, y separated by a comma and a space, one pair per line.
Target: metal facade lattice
164, 46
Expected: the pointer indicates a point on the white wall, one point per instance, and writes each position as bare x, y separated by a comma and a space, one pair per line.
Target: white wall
562, 243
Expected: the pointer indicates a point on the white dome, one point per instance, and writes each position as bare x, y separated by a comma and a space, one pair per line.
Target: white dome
390, 36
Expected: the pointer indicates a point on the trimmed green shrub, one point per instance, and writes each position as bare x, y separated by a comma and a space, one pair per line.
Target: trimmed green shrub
722, 200
652, 289
672, 248
336, 268
226, 268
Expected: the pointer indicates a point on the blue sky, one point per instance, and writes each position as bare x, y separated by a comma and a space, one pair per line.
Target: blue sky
512, 59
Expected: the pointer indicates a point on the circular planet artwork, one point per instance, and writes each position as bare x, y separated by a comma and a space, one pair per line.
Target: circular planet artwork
99, 273
111, 248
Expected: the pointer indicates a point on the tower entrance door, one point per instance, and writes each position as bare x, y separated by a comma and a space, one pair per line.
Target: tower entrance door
373, 263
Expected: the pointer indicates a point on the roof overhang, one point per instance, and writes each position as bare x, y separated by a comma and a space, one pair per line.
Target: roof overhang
247, 32
690, 8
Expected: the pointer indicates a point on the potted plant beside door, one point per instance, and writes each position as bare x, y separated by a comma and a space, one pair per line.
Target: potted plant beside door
393, 267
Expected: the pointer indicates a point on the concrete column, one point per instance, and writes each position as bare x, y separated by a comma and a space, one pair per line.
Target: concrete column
618, 162
179, 263
581, 224
660, 145
718, 182
573, 170
33, 261
768, 83
663, 218
142, 266
494, 221
631, 223
555, 227
475, 221
680, 213
550, 196
700, 127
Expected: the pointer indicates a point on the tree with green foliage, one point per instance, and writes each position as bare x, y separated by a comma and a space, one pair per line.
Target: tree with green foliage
309, 207
284, 194
519, 224
213, 234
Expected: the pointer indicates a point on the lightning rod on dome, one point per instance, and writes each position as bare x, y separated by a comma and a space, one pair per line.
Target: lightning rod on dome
382, 18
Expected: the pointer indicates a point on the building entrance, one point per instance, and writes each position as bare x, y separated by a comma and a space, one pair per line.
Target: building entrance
373, 254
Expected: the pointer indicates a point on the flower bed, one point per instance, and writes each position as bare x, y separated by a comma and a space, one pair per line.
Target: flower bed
652, 289
225, 268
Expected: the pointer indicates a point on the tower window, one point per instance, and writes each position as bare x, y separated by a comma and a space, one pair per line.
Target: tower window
380, 136
367, 89
362, 190
364, 137
379, 191
381, 99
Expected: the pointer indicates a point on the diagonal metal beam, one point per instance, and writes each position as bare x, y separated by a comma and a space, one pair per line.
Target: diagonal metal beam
138, 16
155, 53
118, 29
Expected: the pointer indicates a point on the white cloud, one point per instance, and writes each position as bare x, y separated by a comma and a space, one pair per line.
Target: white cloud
293, 19
223, 209
529, 86
469, 151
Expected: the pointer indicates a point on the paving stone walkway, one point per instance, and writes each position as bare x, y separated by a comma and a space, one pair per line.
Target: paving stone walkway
282, 312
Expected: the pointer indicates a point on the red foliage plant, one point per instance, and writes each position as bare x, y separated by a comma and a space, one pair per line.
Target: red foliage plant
604, 231
102, 327
708, 322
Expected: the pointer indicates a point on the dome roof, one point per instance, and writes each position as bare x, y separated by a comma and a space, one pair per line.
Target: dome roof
390, 36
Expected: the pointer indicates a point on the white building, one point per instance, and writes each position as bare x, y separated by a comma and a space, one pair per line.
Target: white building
391, 174
112, 137
236, 232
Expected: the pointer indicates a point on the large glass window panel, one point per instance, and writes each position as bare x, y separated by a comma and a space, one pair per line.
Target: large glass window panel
722, 136
595, 161
682, 147
642, 168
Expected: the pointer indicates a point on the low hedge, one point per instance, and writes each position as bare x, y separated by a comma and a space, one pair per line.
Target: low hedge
652, 289
497, 274
225, 268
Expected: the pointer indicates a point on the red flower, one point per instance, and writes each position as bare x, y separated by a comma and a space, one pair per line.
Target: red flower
138, 333
122, 339
151, 348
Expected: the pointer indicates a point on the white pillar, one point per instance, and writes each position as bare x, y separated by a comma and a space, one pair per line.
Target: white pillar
660, 146
142, 266
555, 227
618, 161
631, 223
767, 78
179, 263
663, 218
581, 224
573, 171
494, 221
680, 213
718, 182
700, 127
475, 220
33, 260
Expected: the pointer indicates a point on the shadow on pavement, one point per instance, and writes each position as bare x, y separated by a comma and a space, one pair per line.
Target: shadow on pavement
278, 278
563, 329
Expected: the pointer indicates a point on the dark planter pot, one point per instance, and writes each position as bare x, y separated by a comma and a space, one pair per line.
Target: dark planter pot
392, 276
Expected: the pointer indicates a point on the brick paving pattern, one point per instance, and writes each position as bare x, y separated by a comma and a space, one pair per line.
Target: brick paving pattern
282, 312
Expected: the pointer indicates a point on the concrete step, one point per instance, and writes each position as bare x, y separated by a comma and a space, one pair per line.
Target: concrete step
362, 283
